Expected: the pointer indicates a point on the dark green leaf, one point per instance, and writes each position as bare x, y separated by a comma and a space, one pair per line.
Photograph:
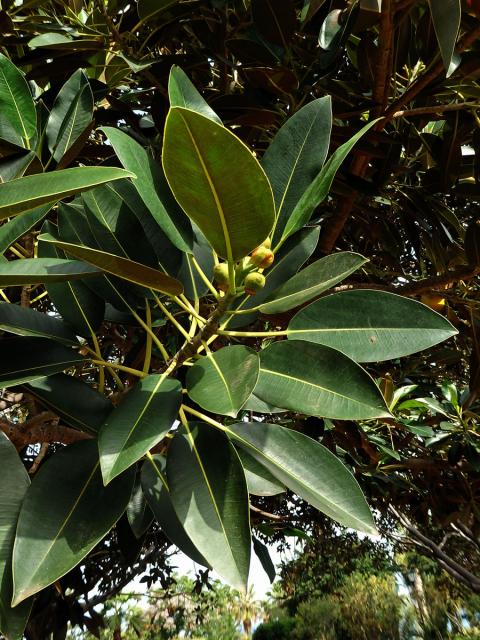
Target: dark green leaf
370, 326
148, 8
42, 270
16, 104
29, 192
317, 380
308, 469
73, 400
26, 359
66, 512
155, 488
312, 281
182, 93
151, 187
145, 416
71, 114
209, 495
15, 482
319, 188
122, 267
263, 555
260, 481
139, 514
222, 381
14, 229
198, 156
446, 16
296, 155
28, 322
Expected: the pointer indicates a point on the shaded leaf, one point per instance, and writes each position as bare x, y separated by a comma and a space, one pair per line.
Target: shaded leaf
14, 229
16, 104
263, 555
260, 481
28, 322
446, 17
139, 514
43, 270
209, 495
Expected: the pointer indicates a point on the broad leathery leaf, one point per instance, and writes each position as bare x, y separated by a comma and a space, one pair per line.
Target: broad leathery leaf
65, 513
318, 381
319, 188
14, 166
446, 17
183, 93
193, 284
15, 482
155, 488
43, 270
218, 182
23, 194
71, 114
16, 103
115, 226
370, 326
140, 421
308, 469
121, 267
312, 281
168, 256
288, 260
24, 321
78, 404
262, 553
78, 305
260, 406
210, 497
152, 188
260, 481
330, 30
296, 155
222, 381
310, 8
139, 514
26, 359
148, 8
14, 229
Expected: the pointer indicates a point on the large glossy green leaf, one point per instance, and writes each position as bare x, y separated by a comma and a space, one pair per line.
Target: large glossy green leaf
16, 104
13, 229
139, 514
183, 93
78, 305
42, 270
294, 253
121, 267
317, 380
296, 155
28, 322
145, 416
312, 281
370, 326
222, 381
14, 166
15, 482
25, 359
308, 469
260, 481
218, 182
71, 114
155, 488
210, 498
78, 404
65, 513
446, 17
152, 188
319, 188
23, 194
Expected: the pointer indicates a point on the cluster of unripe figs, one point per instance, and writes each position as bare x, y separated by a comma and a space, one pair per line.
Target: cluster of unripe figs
248, 272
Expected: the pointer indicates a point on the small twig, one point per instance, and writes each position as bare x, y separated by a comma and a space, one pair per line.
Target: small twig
38, 460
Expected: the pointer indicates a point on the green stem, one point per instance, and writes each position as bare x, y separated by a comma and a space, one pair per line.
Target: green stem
203, 416
148, 342
207, 282
169, 316
120, 367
